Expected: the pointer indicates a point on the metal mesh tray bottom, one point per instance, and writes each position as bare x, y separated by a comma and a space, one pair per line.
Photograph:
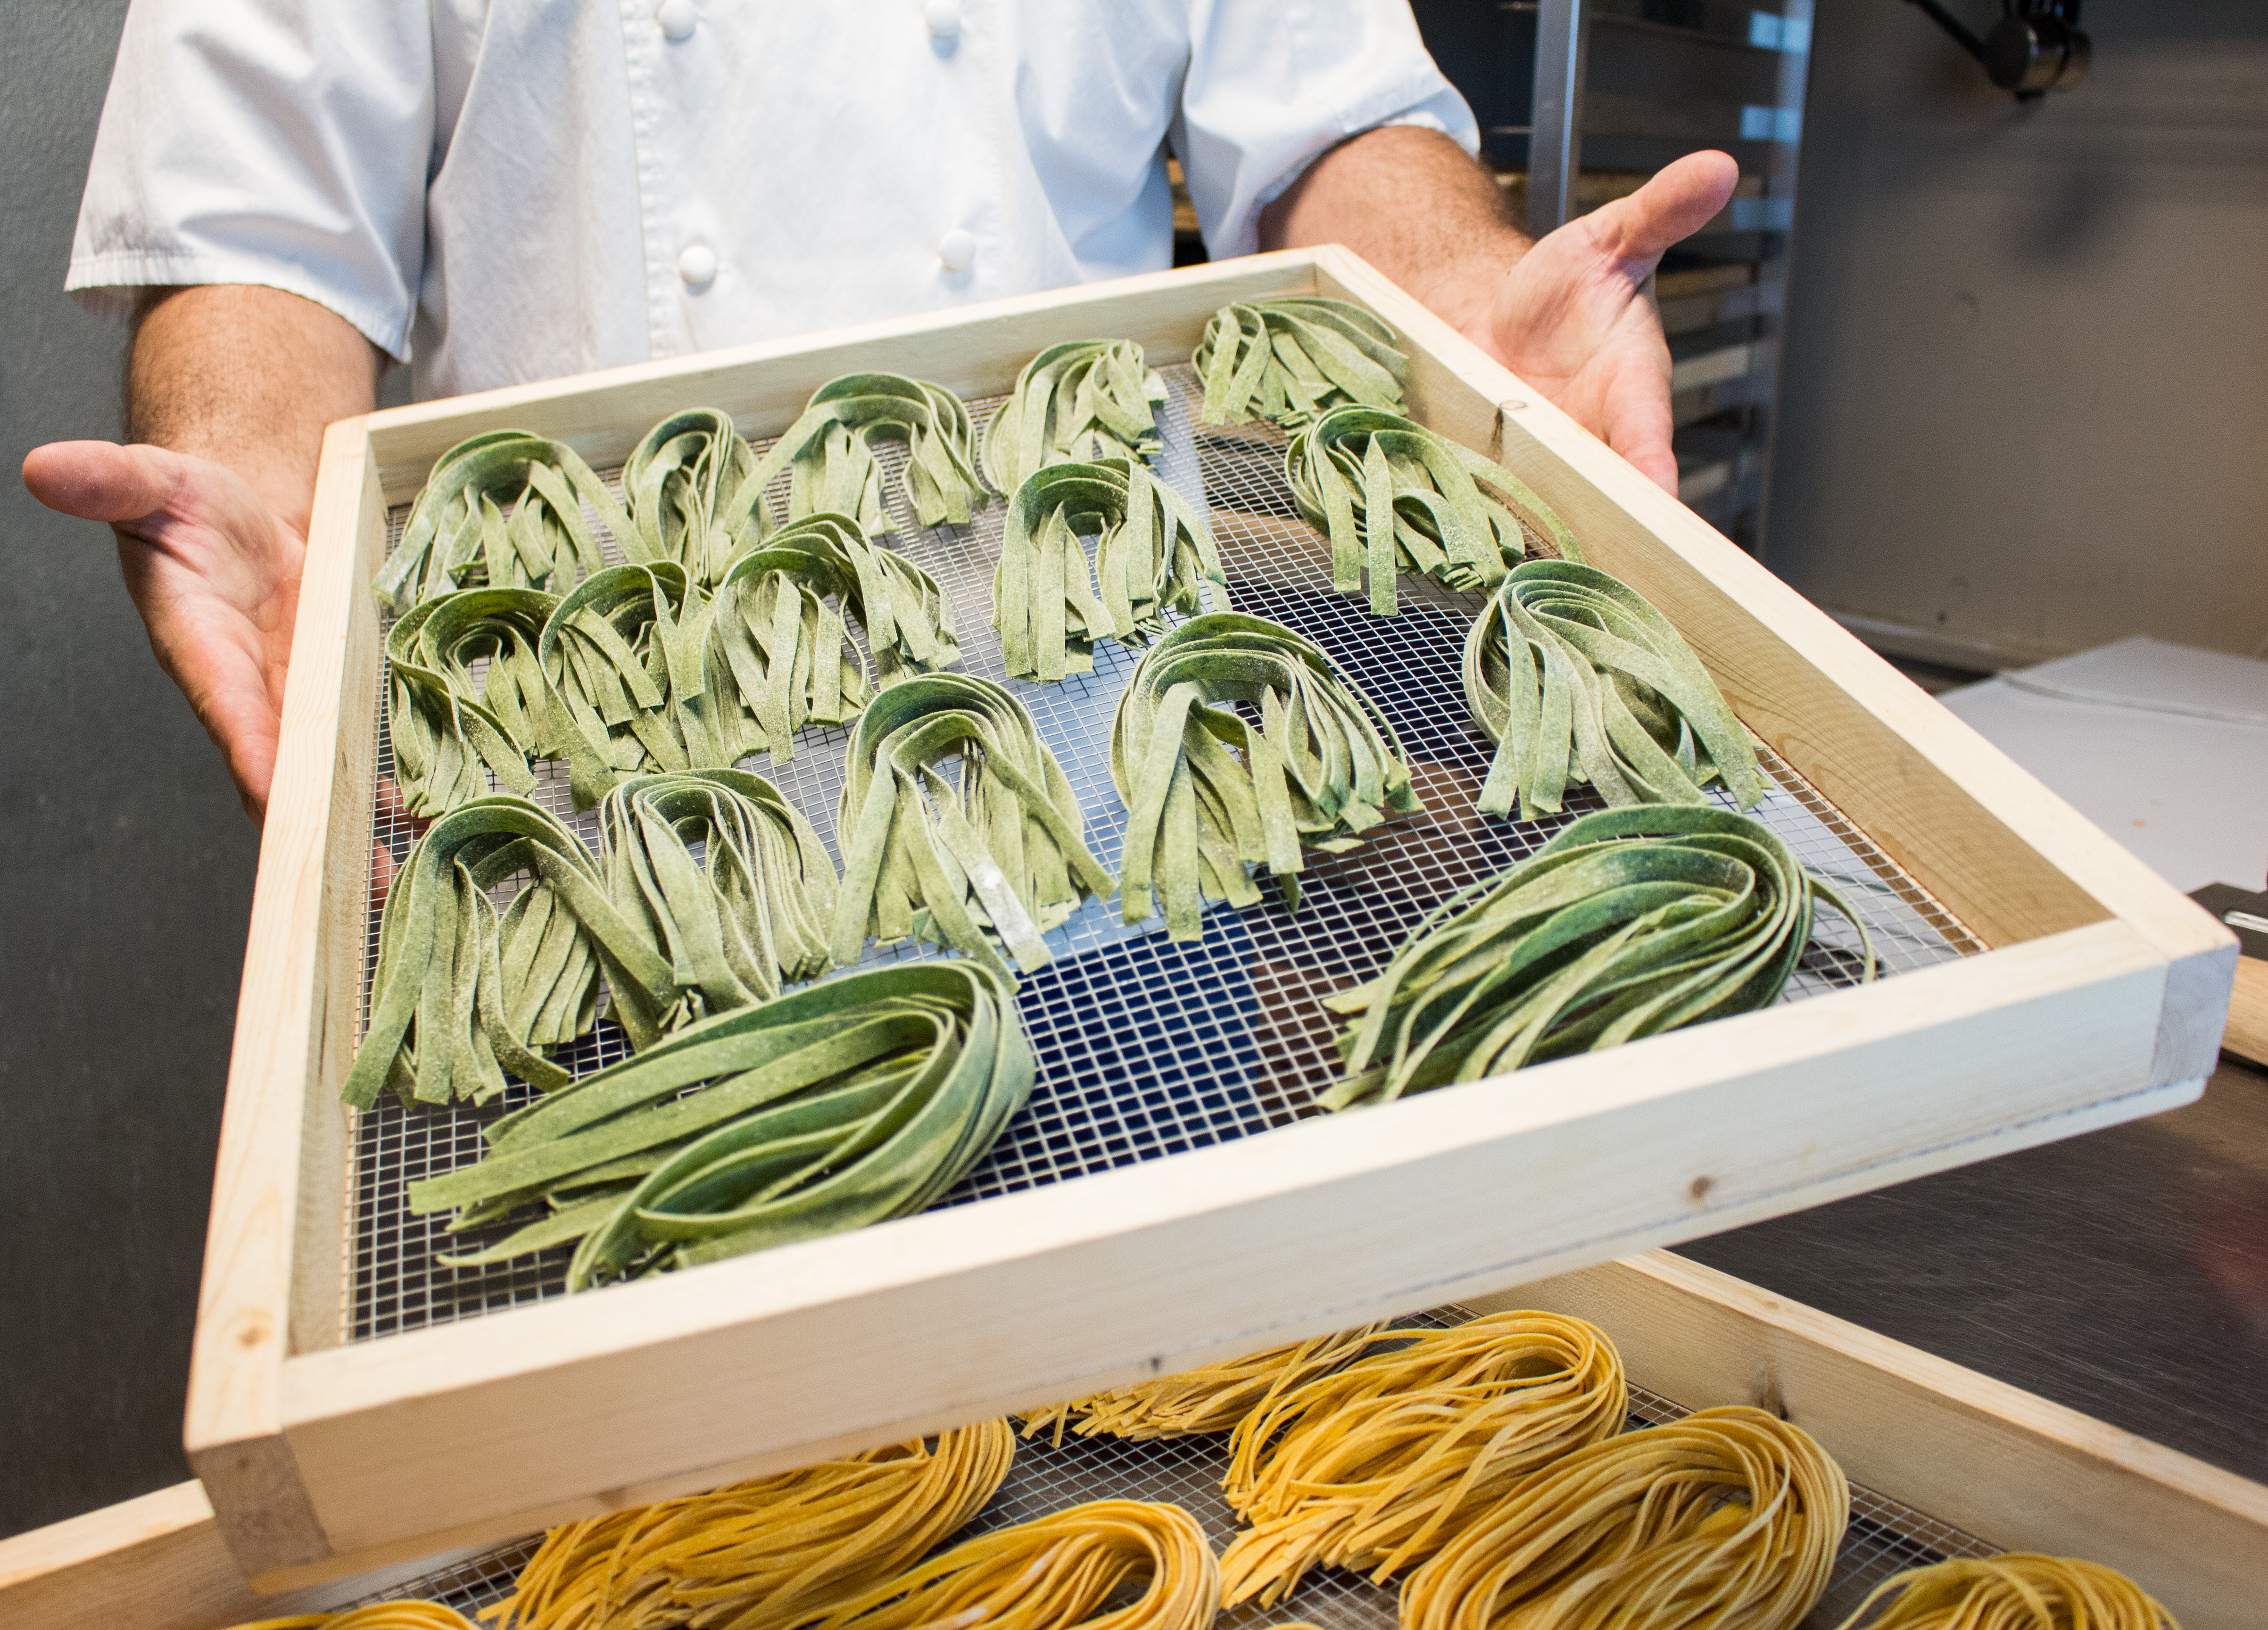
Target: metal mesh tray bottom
1884, 1536
1146, 1047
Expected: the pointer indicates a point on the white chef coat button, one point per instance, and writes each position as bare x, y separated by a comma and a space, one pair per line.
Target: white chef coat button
678, 19
943, 18
697, 264
957, 249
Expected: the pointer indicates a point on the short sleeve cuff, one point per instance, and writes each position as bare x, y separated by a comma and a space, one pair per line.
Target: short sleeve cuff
109, 283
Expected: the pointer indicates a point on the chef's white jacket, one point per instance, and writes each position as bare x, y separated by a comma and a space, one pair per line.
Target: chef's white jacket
517, 189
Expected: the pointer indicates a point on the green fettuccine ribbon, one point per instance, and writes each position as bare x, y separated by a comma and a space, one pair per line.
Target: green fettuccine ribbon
1629, 923
1084, 399
1003, 849
1293, 359
779, 655
828, 452
1321, 766
1151, 553
504, 510
461, 994
689, 493
1575, 676
449, 729
623, 656
1392, 495
752, 914
845, 1103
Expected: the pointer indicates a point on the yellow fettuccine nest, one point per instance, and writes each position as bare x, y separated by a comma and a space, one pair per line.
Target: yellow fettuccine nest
2021, 1590
1055, 1571
763, 1554
375, 1616
1728, 1520
1377, 1467
1213, 1398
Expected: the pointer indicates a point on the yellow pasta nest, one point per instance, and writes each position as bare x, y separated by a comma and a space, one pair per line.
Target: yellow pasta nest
1376, 1466
762, 1554
1728, 1519
2019, 1591
375, 1616
1055, 1571
1213, 1398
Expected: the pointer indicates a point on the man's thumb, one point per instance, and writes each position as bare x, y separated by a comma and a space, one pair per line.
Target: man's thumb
102, 480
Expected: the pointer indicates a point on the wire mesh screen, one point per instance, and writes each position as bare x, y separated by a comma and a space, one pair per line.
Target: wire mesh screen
1146, 1047
1883, 1538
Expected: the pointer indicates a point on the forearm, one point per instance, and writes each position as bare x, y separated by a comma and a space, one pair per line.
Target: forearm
1412, 203
248, 377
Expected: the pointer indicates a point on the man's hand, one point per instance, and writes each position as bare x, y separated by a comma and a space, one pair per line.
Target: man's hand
214, 572
229, 388
1569, 314
1571, 317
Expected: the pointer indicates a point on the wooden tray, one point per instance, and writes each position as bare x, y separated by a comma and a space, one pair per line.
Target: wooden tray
2102, 999
2010, 1468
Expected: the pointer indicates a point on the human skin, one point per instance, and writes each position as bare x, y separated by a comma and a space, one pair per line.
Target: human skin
229, 388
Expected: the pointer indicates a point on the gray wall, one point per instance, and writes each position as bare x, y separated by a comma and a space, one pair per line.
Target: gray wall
2025, 393
125, 880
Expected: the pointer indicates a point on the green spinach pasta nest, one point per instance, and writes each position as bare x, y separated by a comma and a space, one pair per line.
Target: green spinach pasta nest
1083, 399
623, 656
749, 915
690, 496
1575, 676
1151, 550
501, 510
1208, 788
1394, 497
1292, 359
1001, 850
1629, 923
449, 730
461, 992
829, 453
841, 1104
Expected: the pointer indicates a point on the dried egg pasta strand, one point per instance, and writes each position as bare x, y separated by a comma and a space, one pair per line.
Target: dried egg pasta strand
1211, 1397
408, 1615
763, 1554
1727, 1516
1376, 1465
2017, 1591
1628, 923
1055, 1572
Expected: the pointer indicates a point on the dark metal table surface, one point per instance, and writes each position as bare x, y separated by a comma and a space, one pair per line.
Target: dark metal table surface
2123, 1273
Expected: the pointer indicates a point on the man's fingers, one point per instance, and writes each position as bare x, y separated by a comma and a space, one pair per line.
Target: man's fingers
102, 480
1678, 202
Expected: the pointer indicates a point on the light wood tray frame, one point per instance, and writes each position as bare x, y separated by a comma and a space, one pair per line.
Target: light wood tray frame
1998, 1462
2101, 999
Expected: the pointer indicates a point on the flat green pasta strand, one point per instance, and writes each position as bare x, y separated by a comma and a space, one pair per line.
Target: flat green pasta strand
1628, 923
501, 510
1081, 400
1292, 359
1323, 766
843, 1104
1576, 677
686, 483
625, 656
1152, 552
1001, 854
828, 452
1392, 495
